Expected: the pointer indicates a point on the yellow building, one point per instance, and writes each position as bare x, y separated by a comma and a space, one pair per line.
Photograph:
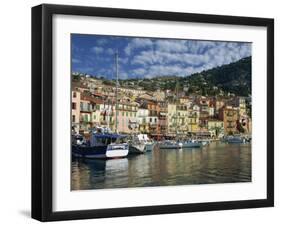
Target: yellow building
96, 115
182, 119
193, 118
215, 127
184, 100
172, 123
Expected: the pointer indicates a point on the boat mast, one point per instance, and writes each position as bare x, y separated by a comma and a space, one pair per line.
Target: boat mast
116, 90
177, 96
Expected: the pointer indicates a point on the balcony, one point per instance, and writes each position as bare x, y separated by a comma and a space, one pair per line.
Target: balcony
104, 122
86, 109
85, 120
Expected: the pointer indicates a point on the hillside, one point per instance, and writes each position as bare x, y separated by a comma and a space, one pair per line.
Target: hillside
231, 78
234, 78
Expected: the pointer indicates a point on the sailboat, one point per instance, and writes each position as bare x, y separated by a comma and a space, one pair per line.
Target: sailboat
103, 143
135, 146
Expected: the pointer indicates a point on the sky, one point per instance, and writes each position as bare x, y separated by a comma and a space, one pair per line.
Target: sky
150, 57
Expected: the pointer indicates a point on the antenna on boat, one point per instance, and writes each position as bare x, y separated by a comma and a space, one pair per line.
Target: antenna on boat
116, 90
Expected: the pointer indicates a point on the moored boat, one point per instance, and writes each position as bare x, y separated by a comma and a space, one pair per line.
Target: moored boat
234, 140
102, 146
136, 146
191, 144
168, 144
149, 144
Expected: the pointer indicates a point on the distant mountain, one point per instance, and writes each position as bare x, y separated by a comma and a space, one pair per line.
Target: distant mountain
232, 78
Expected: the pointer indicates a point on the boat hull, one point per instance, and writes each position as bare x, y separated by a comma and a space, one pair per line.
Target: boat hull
99, 152
137, 148
149, 147
191, 145
170, 146
235, 140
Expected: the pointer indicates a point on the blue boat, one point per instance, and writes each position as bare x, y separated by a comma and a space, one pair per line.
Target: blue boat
235, 139
102, 146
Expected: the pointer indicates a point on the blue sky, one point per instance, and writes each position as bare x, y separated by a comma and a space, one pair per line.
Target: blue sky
150, 57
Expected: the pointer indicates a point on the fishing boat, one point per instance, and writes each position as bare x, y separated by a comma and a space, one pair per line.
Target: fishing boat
102, 146
78, 139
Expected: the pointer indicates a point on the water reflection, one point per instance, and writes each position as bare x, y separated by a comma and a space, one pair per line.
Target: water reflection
216, 163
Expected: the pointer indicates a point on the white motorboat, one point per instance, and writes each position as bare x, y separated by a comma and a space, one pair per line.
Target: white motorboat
168, 144
149, 144
191, 144
136, 146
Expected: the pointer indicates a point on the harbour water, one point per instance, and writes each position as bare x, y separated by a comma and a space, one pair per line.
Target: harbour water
215, 163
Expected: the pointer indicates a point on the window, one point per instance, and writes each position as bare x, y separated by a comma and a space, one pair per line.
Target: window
73, 106
74, 94
73, 118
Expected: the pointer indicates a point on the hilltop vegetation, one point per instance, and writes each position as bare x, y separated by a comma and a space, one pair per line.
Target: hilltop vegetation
234, 78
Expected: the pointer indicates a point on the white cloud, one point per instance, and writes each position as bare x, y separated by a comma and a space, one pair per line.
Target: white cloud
158, 57
123, 60
123, 75
75, 61
138, 43
171, 46
153, 57
170, 57
101, 41
97, 49
139, 72
110, 51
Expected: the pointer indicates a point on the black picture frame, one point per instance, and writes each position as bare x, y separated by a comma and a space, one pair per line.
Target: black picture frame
42, 95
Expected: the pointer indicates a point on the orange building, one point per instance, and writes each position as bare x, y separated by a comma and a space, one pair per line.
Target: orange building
230, 116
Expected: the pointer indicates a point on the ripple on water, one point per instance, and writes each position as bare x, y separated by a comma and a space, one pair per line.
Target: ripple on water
216, 163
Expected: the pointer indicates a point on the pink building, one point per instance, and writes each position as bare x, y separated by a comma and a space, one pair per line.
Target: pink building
75, 112
127, 116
